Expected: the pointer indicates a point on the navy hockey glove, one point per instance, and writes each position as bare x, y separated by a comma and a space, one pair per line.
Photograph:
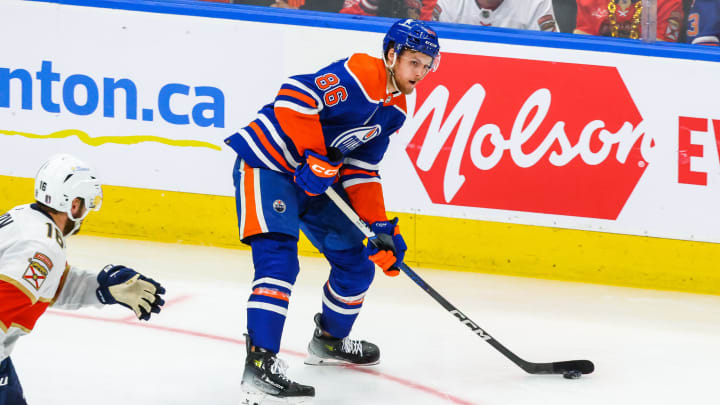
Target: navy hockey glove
387, 248
318, 172
127, 287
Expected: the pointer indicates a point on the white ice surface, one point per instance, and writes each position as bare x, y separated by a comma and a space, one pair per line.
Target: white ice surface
649, 347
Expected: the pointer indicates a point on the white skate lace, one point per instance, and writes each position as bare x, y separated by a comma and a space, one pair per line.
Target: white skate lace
352, 346
279, 367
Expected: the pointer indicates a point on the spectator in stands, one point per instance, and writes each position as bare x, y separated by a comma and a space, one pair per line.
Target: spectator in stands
522, 14
360, 7
255, 2
703, 23
317, 5
418, 9
415, 9
621, 18
565, 12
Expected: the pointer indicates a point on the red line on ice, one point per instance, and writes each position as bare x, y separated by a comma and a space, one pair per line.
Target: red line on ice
133, 322
168, 303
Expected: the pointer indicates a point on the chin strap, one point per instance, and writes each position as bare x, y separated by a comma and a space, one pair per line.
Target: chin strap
76, 221
75, 228
392, 73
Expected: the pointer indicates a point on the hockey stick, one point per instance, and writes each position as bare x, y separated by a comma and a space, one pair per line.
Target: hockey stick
559, 367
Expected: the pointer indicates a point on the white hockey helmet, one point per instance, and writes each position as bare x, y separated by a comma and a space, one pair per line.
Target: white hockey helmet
62, 179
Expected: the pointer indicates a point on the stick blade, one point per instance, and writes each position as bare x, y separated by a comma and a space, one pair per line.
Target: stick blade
560, 367
583, 366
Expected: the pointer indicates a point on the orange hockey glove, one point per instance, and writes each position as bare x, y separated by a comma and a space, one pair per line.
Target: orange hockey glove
318, 172
387, 248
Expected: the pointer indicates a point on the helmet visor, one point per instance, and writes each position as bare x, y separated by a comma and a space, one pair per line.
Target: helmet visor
94, 202
91, 193
435, 63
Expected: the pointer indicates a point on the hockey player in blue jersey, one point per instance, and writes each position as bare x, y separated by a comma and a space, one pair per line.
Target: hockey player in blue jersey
326, 129
703, 23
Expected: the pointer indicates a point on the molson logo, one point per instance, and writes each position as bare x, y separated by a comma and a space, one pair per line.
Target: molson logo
533, 136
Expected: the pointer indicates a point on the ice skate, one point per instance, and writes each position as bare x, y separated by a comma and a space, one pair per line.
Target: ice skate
264, 381
329, 351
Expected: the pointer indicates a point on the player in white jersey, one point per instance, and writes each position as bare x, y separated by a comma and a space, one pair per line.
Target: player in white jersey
34, 273
521, 14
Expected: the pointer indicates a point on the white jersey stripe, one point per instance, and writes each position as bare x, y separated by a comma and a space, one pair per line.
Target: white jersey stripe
346, 300
296, 108
267, 307
258, 202
243, 212
355, 182
299, 85
274, 281
338, 309
276, 137
361, 164
708, 39
257, 151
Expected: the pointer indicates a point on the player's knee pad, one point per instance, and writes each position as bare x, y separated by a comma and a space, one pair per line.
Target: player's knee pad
275, 255
351, 270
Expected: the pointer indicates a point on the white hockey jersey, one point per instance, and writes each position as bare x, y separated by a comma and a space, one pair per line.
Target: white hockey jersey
34, 273
521, 14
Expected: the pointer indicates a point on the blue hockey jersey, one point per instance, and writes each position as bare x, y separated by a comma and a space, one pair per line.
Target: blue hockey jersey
703, 22
345, 105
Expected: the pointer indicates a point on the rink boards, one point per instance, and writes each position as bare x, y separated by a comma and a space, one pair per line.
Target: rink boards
528, 154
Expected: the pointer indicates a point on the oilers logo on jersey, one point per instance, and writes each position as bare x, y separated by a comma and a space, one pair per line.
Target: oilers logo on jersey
352, 139
279, 206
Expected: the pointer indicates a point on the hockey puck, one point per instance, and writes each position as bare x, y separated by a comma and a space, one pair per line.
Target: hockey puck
572, 374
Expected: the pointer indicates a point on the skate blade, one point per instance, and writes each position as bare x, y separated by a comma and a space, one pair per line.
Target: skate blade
313, 360
253, 396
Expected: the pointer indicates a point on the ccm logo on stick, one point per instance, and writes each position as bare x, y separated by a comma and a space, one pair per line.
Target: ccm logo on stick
470, 324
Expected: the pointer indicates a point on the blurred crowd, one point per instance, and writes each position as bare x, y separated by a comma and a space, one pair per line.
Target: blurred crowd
691, 21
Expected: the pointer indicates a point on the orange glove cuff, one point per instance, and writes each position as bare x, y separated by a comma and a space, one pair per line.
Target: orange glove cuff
323, 168
384, 259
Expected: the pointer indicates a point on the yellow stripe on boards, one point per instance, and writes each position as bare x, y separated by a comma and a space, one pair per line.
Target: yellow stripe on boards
119, 140
437, 242
163, 216
568, 254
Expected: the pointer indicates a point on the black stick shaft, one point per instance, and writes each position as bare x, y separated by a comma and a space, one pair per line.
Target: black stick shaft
531, 368
584, 366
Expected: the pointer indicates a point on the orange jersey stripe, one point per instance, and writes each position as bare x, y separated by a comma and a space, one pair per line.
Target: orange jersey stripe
304, 130
372, 74
349, 172
268, 147
300, 96
252, 224
400, 102
269, 292
343, 300
367, 199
